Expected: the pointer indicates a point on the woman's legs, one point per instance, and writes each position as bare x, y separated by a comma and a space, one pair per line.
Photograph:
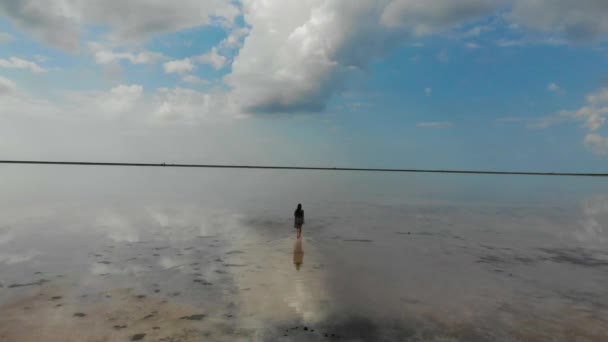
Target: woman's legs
299, 235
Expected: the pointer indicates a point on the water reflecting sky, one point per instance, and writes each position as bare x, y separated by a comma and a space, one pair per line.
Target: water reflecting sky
89, 254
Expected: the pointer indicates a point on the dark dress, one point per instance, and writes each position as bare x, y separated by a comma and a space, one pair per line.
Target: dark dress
299, 218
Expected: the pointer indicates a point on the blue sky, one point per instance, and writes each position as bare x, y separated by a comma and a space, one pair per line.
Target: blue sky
474, 84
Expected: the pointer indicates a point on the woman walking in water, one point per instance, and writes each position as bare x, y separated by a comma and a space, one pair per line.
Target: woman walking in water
299, 220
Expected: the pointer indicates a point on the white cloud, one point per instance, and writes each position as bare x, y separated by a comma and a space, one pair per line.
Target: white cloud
120, 99
510, 43
443, 56
234, 39
60, 23
187, 105
6, 86
477, 31
54, 22
181, 66
443, 124
554, 87
191, 79
597, 143
593, 115
213, 58
432, 16
599, 98
298, 54
595, 112
110, 104
6, 37
580, 20
18, 63
428, 91
108, 57
472, 45
125, 103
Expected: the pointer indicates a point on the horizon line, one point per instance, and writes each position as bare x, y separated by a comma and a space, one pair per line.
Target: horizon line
305, 168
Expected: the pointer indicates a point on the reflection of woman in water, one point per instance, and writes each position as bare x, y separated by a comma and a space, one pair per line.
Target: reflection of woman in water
299, 220
298, 254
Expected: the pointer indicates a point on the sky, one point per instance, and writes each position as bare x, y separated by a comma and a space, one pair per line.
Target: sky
470, 84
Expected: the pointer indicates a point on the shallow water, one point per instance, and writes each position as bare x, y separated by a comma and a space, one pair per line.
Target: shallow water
178, 255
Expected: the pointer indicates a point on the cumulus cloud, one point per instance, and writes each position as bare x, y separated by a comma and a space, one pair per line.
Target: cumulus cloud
60, 23
443, 56
127, 103
213, 58
191, 79
120, 99
293, 55
597, 143
181, 66
298, 54
110, 104
580, 20
477, 31
108, 56
510, 43
595, 112
187, 105
53, 22
18, 63
432, 16
554, 87
593, 115
443, 124
6, 86
234, 39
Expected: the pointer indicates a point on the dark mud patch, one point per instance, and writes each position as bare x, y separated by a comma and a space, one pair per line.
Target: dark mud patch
505, 259
579, 257
202, 282
138, 337
150, 315
36, 283
79, 315
198, 317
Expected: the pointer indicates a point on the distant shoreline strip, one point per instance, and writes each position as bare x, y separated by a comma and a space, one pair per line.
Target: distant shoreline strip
302, 168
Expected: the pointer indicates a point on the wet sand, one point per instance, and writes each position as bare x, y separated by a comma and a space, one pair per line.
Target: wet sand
443, 273
160, 270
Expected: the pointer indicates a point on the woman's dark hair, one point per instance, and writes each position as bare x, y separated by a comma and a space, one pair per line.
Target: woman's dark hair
299, 210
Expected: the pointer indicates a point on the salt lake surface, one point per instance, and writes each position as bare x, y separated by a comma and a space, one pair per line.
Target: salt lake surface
108, 254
